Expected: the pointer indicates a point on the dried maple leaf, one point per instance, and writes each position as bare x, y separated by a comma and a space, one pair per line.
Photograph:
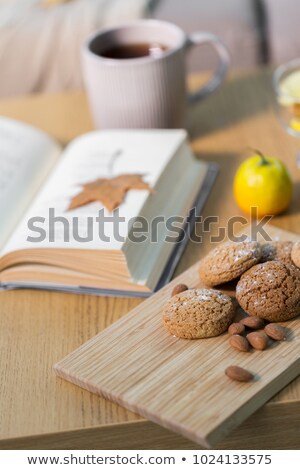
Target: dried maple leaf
109, 191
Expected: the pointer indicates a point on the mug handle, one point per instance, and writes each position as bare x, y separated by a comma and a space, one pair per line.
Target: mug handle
198, 38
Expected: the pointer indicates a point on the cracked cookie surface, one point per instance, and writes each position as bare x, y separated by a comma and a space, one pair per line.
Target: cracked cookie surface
228, 261
198, 313
271, 291
277, 251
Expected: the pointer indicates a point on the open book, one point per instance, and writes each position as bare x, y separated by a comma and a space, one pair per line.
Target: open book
130, 251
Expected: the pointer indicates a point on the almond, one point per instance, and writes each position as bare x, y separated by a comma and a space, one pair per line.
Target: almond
239, 342
236, 329
179, 288
254, 323
238, 373
275, 331
258, 339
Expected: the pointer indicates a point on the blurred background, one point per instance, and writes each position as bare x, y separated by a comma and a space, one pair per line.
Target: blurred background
40, 39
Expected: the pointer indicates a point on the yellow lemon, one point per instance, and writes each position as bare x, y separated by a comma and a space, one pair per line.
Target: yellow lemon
264, 183
295, 124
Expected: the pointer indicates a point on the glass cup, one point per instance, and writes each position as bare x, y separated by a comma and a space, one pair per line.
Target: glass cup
286, 83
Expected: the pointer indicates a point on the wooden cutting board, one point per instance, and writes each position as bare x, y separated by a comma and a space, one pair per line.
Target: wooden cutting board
177, 383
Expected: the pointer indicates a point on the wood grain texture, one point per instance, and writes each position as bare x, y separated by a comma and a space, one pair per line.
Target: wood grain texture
36, 406
148, 435
178, 383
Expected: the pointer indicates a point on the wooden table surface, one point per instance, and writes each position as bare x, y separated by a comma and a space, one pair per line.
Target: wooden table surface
38, 410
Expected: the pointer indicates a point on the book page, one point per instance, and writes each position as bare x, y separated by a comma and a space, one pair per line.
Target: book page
101, 154
26, 157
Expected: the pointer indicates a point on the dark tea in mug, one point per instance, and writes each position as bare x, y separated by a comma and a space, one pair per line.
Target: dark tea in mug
133, 51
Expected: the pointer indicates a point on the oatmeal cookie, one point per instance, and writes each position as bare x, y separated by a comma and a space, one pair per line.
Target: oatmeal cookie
277, 251
228, 261
198, 313
271, 291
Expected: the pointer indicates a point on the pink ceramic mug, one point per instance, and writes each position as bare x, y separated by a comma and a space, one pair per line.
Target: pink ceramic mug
150, 91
